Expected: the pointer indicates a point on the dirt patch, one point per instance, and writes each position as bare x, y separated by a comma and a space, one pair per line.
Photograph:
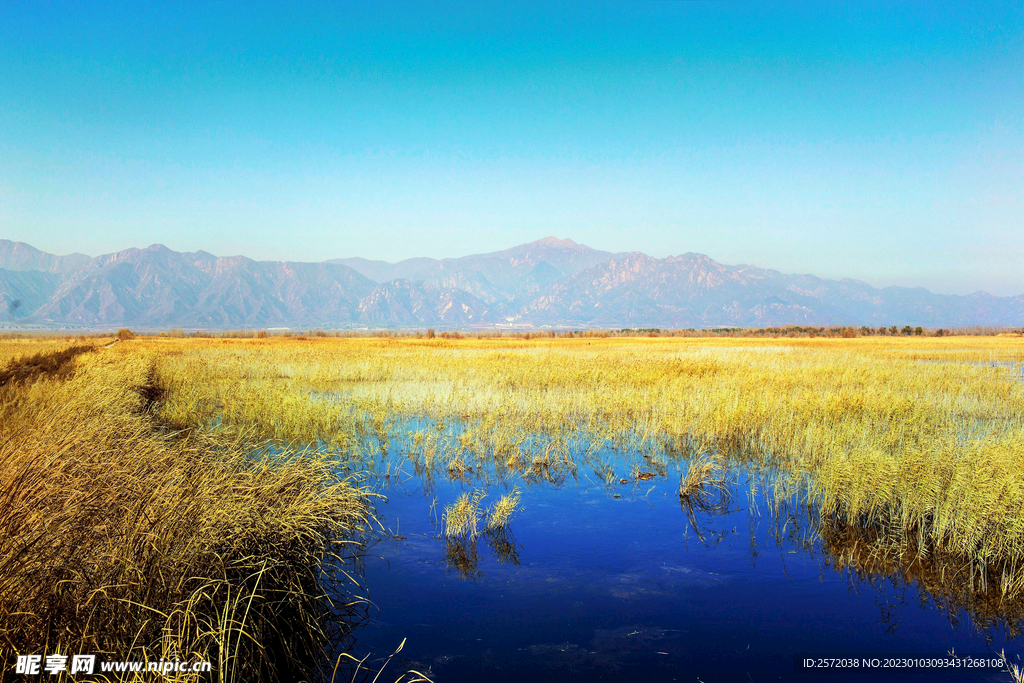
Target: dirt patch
150, 392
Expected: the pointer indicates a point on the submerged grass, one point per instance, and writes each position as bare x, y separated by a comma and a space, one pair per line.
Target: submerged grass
121, 540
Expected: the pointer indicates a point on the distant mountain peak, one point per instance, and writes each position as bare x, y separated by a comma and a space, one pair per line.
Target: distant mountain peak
552, 241
18, 256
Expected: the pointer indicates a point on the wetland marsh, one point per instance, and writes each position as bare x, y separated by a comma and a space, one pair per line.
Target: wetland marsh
655, 509
872, 485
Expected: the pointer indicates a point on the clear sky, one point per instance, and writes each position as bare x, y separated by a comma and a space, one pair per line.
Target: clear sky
878, 141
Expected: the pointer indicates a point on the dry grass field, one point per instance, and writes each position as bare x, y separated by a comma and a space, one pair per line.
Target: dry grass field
15, 348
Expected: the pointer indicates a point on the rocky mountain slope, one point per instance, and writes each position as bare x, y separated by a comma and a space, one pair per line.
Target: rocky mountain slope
549, 282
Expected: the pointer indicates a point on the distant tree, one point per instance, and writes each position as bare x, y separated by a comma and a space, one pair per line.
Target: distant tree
262, 334
893, 330
125, 334
907, 330
430, 333
918, 331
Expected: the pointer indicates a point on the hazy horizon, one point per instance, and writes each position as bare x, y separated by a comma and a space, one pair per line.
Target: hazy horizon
884, 144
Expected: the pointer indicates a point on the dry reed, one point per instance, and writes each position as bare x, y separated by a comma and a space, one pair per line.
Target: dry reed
119, 539
918, 436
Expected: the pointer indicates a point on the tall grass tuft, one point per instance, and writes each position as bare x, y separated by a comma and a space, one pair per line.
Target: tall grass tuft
462, 517
499, 514
121, 539
704, 475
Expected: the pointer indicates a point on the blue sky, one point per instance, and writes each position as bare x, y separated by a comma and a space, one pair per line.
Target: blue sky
878, 141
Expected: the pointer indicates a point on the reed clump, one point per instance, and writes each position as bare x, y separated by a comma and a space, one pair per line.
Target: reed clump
462, 520
122, 540
704, 474
501, 513
462, 517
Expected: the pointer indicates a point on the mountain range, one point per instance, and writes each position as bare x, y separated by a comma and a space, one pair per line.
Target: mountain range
550, 282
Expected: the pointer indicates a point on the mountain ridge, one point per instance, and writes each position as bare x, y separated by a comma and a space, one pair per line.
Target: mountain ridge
550, 282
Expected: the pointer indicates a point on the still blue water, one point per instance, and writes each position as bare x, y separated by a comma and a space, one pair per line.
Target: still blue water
614, 582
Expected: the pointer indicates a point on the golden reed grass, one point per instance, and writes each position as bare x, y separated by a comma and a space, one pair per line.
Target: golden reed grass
919, 437
462, 518
122, 540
